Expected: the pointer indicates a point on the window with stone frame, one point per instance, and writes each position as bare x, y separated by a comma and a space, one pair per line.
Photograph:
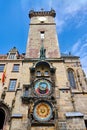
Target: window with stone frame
42, 34
71, 78
26, 92
12, 84
12, 56
38, 73
16, 68
2, 67
46, 73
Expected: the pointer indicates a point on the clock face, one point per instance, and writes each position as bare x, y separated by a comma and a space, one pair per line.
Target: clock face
42, 87
42, 18
43, 111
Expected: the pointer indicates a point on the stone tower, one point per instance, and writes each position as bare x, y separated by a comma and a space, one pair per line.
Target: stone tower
42, 23
41, 89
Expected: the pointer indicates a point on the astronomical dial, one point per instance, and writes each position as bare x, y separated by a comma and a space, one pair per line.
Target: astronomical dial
43, 111
42, 87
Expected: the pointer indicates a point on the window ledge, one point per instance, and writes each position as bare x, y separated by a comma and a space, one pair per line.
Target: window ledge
14, 71
16, 116
11, 91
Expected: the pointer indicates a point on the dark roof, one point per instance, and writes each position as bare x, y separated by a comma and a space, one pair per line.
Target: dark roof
68, 55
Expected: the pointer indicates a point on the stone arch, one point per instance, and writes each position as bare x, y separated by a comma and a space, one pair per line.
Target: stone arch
5, 113
42, 62
2, 119
45, 64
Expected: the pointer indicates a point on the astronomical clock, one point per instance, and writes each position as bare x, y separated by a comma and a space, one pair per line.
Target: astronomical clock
43, 111
41, 99
42, 88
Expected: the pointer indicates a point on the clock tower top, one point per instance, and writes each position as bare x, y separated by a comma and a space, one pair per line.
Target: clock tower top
33, 13
42, 28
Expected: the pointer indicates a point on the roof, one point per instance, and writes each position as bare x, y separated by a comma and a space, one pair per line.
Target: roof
68, 55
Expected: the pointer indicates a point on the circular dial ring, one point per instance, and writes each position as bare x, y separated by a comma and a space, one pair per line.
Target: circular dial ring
43, 111
43, 87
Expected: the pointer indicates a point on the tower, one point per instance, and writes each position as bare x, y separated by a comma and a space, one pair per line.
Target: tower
41, 89
42, 23
40, 46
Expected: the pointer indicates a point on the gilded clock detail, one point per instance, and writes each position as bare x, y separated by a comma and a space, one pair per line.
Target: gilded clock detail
43, 111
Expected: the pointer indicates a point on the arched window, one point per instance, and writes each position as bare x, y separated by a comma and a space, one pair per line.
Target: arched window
2, 118
71, 78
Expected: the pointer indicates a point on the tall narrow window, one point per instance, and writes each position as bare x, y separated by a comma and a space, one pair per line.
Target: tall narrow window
12, 84
71, 78
2, 67
26, 92
86, 124
2, 118
15, 68
38, 73
42, 35
46, 73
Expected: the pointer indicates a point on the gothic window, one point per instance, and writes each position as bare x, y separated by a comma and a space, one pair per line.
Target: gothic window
2, 67
12, 84
15, 68
2, 118
71, 78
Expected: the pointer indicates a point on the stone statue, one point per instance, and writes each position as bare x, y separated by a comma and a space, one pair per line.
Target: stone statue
42, 53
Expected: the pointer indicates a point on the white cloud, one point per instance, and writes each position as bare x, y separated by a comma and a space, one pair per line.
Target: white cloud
75, 46
68, 9
76, 11
80, 49
84, 64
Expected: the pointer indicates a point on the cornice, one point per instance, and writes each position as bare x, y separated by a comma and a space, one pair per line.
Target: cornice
33, 13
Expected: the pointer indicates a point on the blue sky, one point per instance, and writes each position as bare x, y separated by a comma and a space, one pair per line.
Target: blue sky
71, 22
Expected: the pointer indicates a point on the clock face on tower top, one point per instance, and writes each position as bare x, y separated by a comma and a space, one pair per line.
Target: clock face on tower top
42, 87
42, 19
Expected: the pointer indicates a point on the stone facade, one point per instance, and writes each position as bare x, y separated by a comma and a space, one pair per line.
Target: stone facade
42, 94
